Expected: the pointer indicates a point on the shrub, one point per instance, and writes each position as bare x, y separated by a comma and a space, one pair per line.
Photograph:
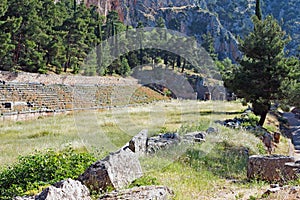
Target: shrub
143, 181
42, 168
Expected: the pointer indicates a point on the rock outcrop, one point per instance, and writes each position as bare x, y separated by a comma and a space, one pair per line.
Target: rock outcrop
115, 171
141, 193
222, 19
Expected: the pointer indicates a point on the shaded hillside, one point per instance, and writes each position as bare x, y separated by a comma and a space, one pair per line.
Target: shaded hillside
224, 20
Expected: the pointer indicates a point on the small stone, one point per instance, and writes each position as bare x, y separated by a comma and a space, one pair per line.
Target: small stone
212, 130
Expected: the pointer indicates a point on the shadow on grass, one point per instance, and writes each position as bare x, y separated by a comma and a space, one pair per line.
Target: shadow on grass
208, 112
224, 160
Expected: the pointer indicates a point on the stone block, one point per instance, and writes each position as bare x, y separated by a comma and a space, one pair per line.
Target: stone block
270, 168
116, 171
138, 144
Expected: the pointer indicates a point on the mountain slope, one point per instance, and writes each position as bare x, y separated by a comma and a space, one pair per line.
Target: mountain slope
223, 19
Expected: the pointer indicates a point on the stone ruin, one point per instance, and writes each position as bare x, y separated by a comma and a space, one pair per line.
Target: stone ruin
273, 168
28, 95
118, 170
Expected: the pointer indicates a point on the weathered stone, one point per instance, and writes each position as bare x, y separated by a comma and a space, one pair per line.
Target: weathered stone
285, 192
212, 130
138, 144
270, 168
64, 190
195, 137
162, 142
116, 170
138, 193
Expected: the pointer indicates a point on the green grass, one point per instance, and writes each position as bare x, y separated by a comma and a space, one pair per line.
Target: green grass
206, 168
201, 171
105, 130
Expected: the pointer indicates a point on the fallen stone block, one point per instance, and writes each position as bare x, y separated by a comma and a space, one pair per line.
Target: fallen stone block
138, 144
163, 141
141, 193
116, 171
271, 168
195, 137
64, 190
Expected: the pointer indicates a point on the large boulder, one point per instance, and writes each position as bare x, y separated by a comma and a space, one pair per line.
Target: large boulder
141, 193
138, 144
115, 171
64, 190
273, 168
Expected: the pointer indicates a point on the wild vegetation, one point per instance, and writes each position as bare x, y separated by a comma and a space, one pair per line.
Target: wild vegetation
264, 70
47, 37
190, 171
44, 37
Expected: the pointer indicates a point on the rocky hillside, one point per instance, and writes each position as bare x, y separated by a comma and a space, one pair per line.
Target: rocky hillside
223, 19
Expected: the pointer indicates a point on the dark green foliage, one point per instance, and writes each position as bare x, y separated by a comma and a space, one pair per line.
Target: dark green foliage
40, 169
291, 86
43, 36
263, 68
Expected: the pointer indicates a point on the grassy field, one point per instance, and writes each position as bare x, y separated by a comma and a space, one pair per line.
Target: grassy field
106, 130
215, 169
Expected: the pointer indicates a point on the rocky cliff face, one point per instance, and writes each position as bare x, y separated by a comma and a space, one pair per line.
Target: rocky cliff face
224, 20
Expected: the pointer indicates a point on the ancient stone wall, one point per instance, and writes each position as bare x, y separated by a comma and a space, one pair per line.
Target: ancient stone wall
27, 94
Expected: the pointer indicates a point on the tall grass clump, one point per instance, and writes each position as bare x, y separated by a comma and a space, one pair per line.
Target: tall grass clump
31, 172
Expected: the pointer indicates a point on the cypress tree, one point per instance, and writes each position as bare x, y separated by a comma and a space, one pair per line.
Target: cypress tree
258, 12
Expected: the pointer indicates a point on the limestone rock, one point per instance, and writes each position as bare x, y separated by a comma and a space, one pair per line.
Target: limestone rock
271, 168
138, 144
162, 141
195, 137
212, 130
64, 190
116, 170
141, 193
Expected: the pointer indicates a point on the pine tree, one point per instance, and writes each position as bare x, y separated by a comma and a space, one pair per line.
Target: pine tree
27, 54
262, 70
8, 25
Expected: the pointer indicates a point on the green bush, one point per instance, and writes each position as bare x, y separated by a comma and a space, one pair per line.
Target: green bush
143, 181
42, 168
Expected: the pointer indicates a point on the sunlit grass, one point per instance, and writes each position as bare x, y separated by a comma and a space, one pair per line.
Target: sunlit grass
201, 171
204, 171
107, 130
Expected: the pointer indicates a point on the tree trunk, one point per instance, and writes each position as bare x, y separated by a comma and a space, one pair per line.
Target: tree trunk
263, 117
183, 66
